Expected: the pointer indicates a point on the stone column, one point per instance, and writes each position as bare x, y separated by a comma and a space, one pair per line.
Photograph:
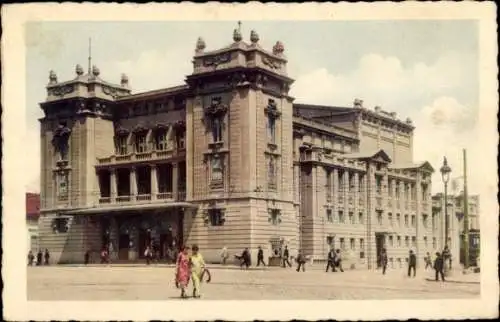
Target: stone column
154, 181
175, 179
133, 184
356, 192
113, 185
346, 192
336, 188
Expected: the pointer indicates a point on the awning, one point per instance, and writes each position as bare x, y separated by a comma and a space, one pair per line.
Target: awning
125, 208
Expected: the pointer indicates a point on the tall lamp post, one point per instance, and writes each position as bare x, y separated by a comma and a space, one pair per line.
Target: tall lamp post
445, 174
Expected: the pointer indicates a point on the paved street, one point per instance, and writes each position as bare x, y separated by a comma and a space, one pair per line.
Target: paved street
155, 282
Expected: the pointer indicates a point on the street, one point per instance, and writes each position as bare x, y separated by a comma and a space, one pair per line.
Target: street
155, 282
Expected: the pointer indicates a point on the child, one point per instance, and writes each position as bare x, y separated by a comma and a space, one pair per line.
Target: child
182, 271
197, 269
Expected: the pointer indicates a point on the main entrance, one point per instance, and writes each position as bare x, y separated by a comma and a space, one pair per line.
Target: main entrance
127, 234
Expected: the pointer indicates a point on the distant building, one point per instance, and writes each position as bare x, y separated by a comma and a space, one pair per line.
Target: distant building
32, 215
227, 159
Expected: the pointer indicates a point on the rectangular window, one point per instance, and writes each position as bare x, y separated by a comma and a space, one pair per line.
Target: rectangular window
425, 241
329, 216
121, 145
353, 244
351, 217
216, 172
216, 217
361, 243
271, 173
342, 243
390, 188
275, 217
161, 140
413, 220
140, 142
391, 241
407, 241
329, 240
341, 217
399, 241
434, 243
424, 221
379, 218
361, 218
397, 189
406, 220
400, 263
378, 180
398, 219
328, 185
62, 185
389, 217
413, 241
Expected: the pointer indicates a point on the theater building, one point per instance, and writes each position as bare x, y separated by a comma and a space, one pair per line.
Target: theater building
226, 159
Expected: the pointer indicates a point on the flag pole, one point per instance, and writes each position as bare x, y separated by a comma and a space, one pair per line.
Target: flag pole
466, 214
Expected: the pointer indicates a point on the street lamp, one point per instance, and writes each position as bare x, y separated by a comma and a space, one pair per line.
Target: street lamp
445, 174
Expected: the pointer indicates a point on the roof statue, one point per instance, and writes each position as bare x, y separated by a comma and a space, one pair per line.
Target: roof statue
254, 37
377, 109
358, 102
278, 48
95, 71
52, 77
79, 70
409, 121
124, 80
237, 33
200, 45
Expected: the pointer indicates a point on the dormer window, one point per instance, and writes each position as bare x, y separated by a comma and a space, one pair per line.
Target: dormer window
140, 142
121, 144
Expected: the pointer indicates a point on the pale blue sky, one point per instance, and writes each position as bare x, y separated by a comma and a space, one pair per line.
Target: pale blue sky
423, 69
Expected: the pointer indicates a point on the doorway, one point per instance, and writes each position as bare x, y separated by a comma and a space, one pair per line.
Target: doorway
144, 241
123, 246
379, 245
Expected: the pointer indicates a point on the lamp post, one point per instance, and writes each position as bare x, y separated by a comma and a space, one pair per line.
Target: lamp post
445, 174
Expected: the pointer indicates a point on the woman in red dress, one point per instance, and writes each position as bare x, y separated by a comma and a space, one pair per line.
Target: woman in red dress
183, 272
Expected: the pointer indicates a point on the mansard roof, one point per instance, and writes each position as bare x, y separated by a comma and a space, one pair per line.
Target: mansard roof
155, 93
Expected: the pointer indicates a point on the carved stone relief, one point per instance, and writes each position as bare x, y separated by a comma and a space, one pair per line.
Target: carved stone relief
60, 140
217, 60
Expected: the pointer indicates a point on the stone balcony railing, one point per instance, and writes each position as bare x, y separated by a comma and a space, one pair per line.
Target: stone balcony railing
138, 157
144, 198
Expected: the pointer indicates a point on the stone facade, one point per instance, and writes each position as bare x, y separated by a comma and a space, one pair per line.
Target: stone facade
227, 160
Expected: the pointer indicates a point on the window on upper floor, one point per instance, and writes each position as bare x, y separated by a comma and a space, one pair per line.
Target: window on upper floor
379, 217
434, 242
398, 219
361, 243
140, 142
413, 221
328, 185
425, 220
378, 180
389, 218
391, 241
271, 173
275, 216
181, 139
62, 185
389, 186
342, 243
399, 241
413, 241
351, 218
425, 241
121, 145
407, 241
397, 190
353, 244
361, 219
329, 215
216, 217
341, 217
407, 222
161, 140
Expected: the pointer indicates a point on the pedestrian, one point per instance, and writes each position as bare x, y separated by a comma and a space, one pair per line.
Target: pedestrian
47, 256
31, 258
197, 268
383, 260
260, 256
446, 256
439, 266
147, 255
39, 257
412, 264
301, 261
86, 258
428, 261
244, 258
330, 260
182, 271
338, 260
224, 255
104, 256
286, 255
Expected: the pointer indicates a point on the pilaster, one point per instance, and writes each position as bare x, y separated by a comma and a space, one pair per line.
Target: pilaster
133, 184
154, 181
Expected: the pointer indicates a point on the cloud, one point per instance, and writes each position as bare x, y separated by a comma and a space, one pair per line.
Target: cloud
428, 93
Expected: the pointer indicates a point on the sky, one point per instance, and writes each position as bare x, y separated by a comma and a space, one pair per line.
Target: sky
423, 69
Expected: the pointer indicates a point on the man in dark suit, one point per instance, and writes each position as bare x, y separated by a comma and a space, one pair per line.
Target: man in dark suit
439, 267
383, 260
260, 257
412, 264
331, 260
286, 255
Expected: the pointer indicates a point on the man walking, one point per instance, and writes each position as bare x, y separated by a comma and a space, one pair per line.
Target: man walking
439, 267
260, 257
412, 264
383, 260
331, 260
428, 261
338, 260
301, 262
286, 255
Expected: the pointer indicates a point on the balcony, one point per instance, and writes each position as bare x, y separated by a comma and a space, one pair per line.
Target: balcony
137, 157
161, 197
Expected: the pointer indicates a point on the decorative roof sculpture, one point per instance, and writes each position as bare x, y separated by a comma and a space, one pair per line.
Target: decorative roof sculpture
237, 37
52, 77
254, 37
124, 80
200, 45
278, 48
95, 71
79, 70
